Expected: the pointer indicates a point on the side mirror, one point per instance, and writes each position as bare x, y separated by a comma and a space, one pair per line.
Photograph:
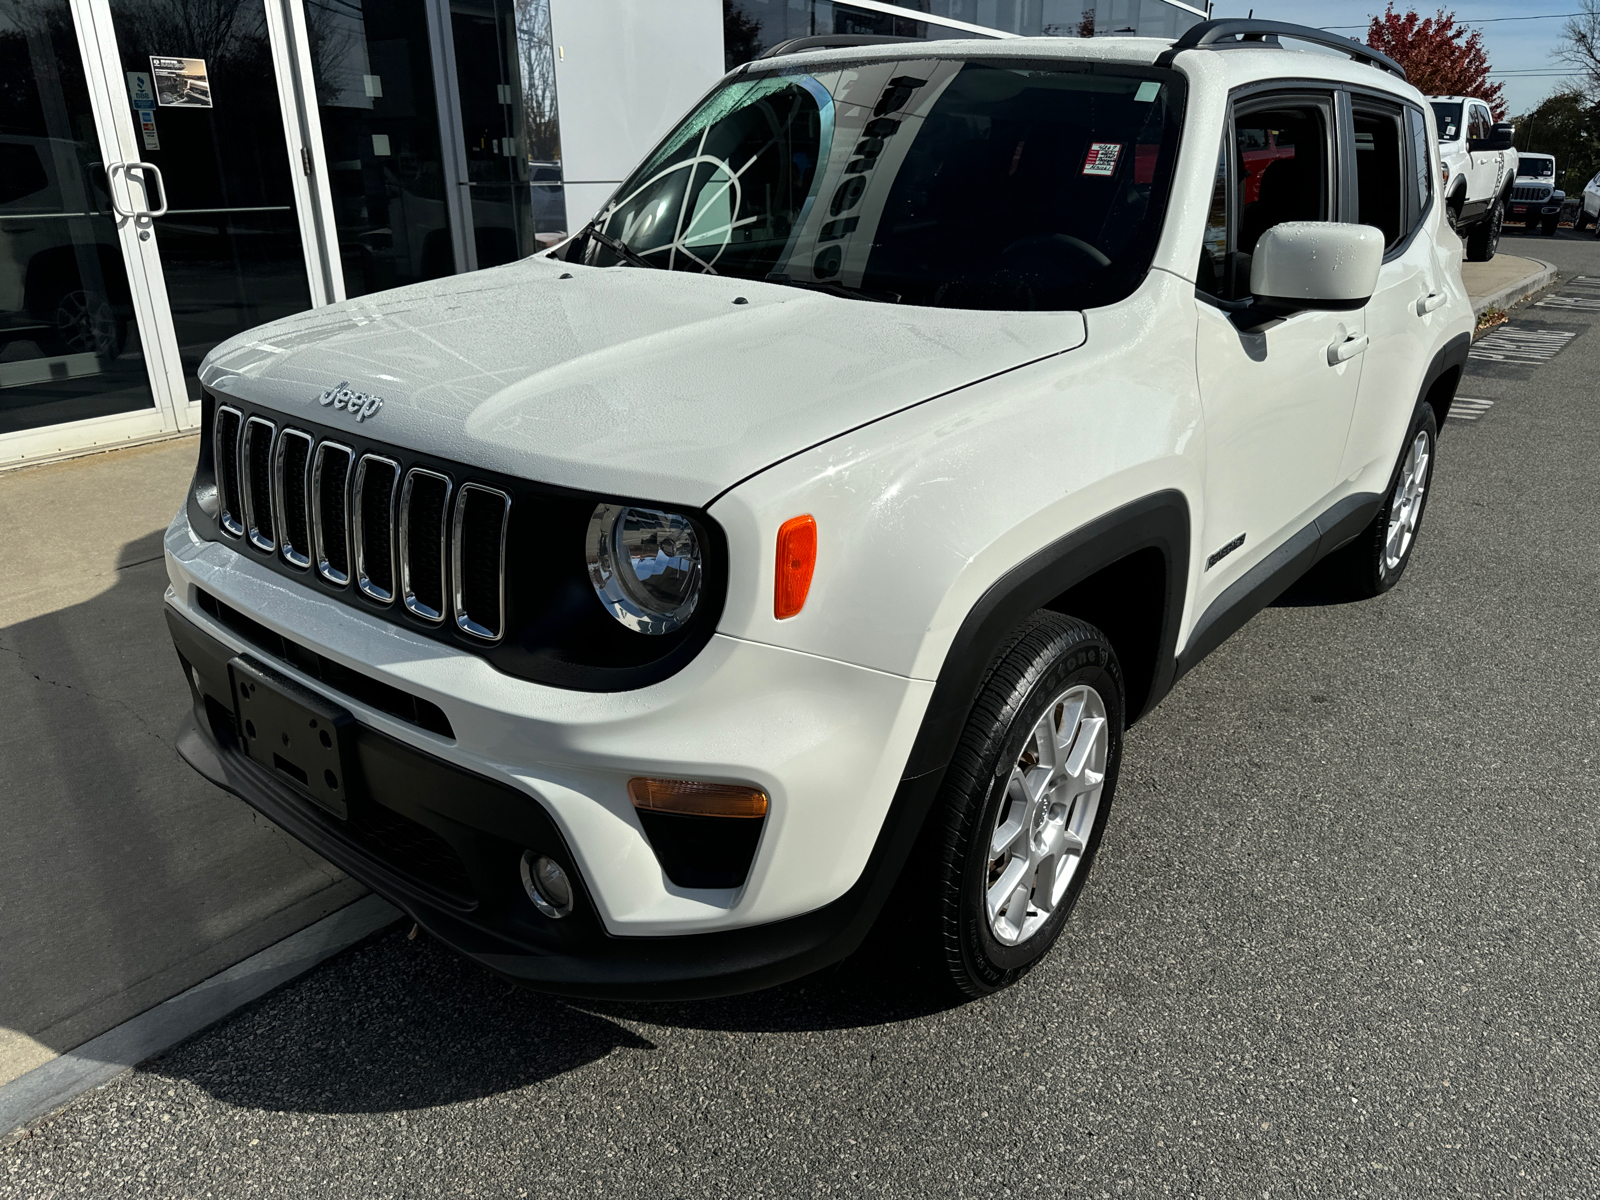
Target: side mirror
1325, 265
1500, 138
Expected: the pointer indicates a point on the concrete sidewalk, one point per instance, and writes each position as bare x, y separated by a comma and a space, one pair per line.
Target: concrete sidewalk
1504, 280
124, 877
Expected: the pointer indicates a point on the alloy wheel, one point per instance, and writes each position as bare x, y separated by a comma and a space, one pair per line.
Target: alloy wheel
1048, 812
1405, 506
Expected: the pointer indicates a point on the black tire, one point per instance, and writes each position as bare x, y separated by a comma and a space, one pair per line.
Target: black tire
1550, 226
1048, 657
1580, 222
1484, 239
1363, 566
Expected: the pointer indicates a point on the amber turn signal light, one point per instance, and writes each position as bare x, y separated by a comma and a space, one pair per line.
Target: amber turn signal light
797, 558
688, 798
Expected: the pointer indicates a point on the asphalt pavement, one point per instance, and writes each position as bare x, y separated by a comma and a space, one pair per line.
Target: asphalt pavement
1340, 941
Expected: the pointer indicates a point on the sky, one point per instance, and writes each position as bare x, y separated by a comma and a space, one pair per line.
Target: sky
1521, 51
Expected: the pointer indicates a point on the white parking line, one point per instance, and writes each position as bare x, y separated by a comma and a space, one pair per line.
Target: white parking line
1590, 303
1509, 344
1465, 409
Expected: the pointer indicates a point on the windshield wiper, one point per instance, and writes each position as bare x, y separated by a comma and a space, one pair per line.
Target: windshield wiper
621, 249
834, 287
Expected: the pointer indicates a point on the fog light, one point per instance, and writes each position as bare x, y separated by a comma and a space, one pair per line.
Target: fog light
547, 884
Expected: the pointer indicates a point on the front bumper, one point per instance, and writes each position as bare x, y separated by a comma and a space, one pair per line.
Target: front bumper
1528, 212
826, 740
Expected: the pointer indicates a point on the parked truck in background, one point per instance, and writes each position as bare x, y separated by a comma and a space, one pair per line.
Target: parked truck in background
1480, 164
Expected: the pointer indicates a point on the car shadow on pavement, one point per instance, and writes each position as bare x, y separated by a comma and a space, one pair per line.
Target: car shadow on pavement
401, 1023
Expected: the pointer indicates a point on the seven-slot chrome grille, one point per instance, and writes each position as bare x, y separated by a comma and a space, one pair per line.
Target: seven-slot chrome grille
1535, 192
412, 536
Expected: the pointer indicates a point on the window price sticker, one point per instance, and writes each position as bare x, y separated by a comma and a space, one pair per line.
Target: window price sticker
1102, 158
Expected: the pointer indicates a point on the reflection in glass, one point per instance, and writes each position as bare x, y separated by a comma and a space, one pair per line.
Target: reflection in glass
69, 348
380, 131
506, 78
230, 242
941, 182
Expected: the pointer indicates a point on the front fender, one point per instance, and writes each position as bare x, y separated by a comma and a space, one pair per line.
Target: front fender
922, 514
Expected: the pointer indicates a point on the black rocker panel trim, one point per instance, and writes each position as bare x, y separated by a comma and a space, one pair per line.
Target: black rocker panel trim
1271, 577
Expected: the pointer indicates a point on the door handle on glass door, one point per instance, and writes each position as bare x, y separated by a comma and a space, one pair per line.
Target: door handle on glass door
145, 170
111, 187
1427, 304
1347, 349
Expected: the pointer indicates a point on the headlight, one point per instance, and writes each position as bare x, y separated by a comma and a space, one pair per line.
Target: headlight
645, 566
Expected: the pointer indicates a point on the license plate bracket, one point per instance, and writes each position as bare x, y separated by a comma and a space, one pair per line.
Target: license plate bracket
304, 739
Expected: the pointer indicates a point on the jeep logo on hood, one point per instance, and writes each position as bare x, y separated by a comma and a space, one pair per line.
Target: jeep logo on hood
357, 404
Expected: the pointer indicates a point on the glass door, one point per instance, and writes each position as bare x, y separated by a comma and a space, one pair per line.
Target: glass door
71, 346
203, 98
505, 72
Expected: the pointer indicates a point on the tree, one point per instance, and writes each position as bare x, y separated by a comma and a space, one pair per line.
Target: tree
741, 35
1441, 56
1580, 47
1564, 125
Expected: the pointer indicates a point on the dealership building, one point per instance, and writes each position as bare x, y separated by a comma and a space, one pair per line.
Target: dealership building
173, 172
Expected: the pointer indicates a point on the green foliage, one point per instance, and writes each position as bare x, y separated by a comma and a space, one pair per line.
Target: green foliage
1567, 126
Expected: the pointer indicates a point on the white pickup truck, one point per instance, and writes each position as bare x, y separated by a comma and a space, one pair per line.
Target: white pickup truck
1479, 166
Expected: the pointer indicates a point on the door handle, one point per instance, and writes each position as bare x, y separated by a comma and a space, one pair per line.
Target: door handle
144, 170
111, 187
1344, 351
1430, 302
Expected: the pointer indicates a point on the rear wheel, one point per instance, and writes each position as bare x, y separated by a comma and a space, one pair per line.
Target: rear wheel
1484, 239
1373, 562
1580, 222
1024, 803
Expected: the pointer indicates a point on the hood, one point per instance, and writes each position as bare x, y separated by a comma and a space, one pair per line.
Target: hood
653, 385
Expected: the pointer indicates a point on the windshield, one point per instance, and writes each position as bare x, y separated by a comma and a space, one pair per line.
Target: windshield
1448, 117
1535, 168
920, 181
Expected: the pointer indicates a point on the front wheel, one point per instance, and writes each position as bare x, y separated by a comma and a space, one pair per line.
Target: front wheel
1024, 803
1550, 226
1484, 240
1373, 562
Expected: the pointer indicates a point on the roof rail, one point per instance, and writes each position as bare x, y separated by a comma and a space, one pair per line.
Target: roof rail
1235, 33
833, 41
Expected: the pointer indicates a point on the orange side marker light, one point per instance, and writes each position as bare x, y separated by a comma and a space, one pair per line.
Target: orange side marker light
685, 797
797, 559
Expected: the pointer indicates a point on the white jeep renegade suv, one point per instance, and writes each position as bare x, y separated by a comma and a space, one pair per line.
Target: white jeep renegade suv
641, 617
